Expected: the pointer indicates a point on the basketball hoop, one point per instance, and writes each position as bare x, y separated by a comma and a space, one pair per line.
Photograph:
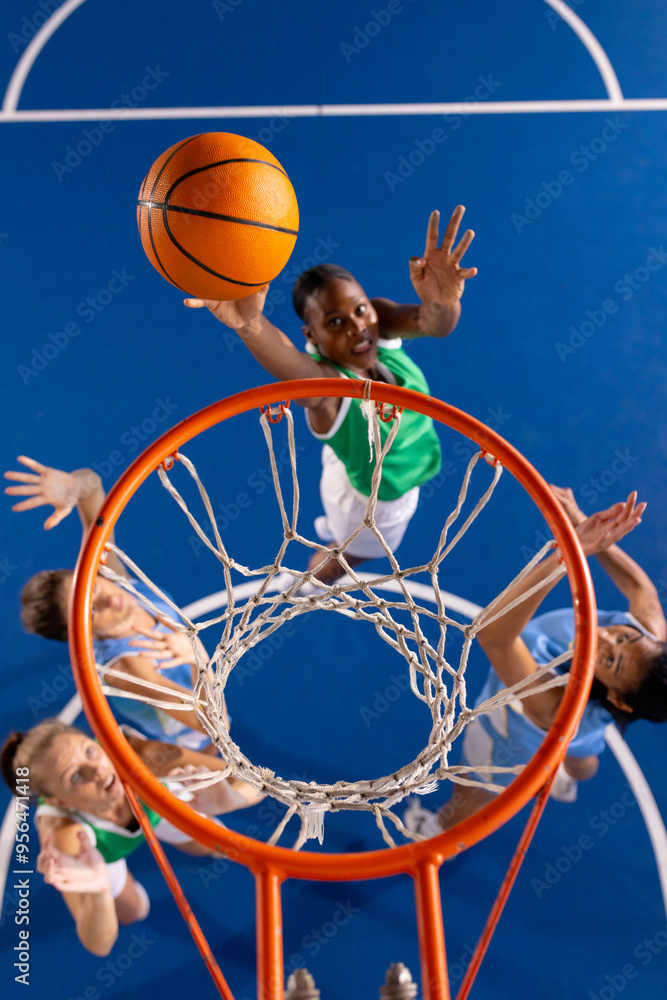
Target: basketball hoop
270, 864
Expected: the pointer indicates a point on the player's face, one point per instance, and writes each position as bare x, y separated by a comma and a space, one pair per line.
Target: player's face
79, 775
343, 325
112, 609
622, 659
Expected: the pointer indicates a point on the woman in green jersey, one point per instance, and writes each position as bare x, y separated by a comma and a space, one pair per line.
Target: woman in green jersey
86, 825
349, 335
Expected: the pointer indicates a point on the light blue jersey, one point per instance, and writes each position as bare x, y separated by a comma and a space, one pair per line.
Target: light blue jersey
152, 722
515, 739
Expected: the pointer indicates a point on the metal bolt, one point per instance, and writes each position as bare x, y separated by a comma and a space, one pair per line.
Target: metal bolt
398, 984
301, 986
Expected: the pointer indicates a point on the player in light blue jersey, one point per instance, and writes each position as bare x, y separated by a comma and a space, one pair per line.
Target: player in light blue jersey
630, 679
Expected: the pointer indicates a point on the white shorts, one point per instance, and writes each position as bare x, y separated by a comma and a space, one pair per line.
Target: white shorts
345, 508
117, 872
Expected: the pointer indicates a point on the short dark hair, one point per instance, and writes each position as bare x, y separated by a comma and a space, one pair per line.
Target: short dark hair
649, 701
311, 281
42, 607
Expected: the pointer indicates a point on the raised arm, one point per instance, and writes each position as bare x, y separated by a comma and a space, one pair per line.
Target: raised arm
439, 281
635, 585
273, 349
45, 486
501, 640
76, 869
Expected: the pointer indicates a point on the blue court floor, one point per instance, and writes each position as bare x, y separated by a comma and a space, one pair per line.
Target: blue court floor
548, 123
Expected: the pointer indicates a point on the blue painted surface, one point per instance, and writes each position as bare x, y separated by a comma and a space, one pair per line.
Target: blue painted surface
571, 402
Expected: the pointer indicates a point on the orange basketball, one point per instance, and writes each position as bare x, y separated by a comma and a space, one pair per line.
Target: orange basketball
217, 216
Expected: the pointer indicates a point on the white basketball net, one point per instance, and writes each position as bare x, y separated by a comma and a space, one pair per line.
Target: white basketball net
433, 680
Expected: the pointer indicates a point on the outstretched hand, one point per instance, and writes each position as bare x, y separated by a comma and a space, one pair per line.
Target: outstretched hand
171, 648
568, 502
237, 313
437, 276
82, 872
45, 485
602, 530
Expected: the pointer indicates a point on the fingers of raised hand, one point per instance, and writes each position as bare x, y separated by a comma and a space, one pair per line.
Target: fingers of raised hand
152, 633
167, 622
32, 464
57, 517
195, 303
464, 243
22, 477
453, 228
432, 231
34, 501
155, 645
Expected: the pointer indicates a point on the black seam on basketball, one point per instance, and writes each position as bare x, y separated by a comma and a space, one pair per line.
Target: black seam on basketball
220, 216
157, 256
150, 221
205, 267
222, 163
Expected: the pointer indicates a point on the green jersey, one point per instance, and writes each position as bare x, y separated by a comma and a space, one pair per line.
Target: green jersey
413, 458
112, 841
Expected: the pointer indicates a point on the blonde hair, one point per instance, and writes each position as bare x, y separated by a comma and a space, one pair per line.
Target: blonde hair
27, 750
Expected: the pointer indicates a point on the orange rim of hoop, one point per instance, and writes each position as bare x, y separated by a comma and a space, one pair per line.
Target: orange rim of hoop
272, 865
256, 855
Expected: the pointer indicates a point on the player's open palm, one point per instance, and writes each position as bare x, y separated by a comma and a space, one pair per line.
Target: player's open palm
602, 530
44, 485
438, 276
236, 313
82, 872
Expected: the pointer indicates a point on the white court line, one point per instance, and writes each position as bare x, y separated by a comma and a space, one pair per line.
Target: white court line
645, 800
32, 50
338, 110
626, 759
595, 50
615, 101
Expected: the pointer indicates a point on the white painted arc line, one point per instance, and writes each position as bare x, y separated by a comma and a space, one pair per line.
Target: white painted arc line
32, 50
336, 110
649, 808
595, 50
35, 46
68, 714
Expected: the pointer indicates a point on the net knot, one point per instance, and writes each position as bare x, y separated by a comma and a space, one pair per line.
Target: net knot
368, 412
